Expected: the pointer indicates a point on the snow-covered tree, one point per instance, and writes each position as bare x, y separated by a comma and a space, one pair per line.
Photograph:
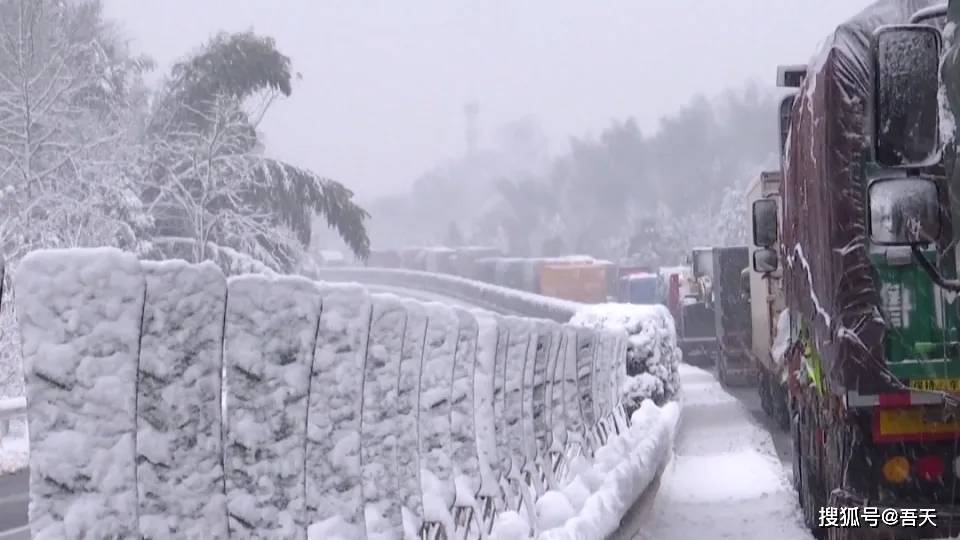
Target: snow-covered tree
208, 183
65, 142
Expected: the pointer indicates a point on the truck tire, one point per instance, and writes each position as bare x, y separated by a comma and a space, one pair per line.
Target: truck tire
764, 391
722, 370
811, 490
781, 403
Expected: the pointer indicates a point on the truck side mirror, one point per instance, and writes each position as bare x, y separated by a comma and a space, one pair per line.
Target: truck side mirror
765, 261
904, 211
906, 111
764, 223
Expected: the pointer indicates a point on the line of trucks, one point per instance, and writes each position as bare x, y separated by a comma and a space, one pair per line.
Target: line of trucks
844, 308
580, 278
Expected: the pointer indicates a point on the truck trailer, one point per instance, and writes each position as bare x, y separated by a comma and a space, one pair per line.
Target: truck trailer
731, 308
869, 266
697, 326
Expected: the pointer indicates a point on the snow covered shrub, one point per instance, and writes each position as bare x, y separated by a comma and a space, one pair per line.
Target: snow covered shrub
652, 351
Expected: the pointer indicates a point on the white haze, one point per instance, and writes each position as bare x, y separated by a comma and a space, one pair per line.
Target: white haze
384, 82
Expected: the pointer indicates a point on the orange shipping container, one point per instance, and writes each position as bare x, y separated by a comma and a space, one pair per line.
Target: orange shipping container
581, 282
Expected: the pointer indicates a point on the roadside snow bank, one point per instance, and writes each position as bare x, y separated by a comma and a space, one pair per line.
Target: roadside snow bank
600, 491
653, 356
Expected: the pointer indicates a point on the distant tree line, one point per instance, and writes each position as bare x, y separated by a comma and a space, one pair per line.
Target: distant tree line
622, 194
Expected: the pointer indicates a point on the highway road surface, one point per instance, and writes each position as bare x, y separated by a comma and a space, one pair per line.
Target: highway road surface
14, 495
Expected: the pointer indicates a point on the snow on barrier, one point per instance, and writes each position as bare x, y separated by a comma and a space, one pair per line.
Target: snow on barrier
378, 438
269, 342
652, 355
406, 423
79, 315
343, 414
333, 419
179, 451
493, 297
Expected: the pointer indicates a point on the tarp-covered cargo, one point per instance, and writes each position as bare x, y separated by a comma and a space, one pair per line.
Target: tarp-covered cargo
829, 277
580, 283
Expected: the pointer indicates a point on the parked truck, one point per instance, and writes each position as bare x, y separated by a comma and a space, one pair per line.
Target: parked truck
697, 326
869, 265
731, 308
765, 291
638, 288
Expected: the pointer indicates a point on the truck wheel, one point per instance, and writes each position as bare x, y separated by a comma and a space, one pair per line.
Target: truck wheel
781, 405
811, 485
722, 370
795, 438
764, 391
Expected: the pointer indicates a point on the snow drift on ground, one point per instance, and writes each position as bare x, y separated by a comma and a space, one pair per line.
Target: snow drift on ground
600, 491
653, 355
725, 476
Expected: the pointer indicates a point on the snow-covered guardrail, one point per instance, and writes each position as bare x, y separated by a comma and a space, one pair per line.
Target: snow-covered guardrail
166, 401
477, 293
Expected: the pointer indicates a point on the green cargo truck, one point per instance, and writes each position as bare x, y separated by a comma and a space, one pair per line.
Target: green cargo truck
867, 248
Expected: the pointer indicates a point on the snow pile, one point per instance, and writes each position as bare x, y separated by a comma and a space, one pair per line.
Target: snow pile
179, 452
79, 316
601, 490
333, 429
782, 339
652, 357
269, 341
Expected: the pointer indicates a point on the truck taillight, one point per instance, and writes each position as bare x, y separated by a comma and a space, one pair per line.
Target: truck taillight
929, 468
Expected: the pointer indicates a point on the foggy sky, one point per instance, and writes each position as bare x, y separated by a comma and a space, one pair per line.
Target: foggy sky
385, 81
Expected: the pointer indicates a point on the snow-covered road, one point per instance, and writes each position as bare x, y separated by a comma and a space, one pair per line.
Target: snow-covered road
725, 476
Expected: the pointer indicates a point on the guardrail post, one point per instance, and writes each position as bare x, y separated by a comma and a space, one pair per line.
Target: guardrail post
378, 436
333, 420
407, 425
491, 333
436, 381
463, 425
79, 314
271, 329
586, 348
180, 472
